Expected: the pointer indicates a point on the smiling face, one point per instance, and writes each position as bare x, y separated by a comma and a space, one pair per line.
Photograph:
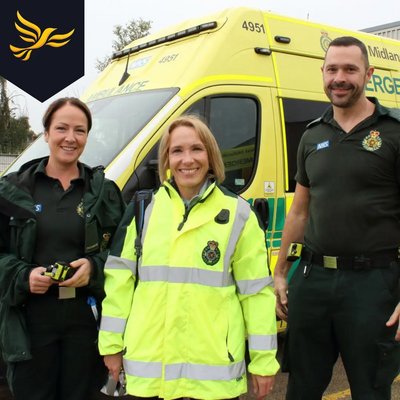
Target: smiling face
345, 75
188, 160
67, 135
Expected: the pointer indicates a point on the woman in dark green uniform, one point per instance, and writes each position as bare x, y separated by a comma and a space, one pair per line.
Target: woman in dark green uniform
55, 209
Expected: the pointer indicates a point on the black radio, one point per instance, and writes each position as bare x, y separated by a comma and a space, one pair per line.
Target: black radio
60, 271
294, 251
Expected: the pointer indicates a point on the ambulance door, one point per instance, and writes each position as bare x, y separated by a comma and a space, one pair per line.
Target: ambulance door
297, 110
395, 86
240, 118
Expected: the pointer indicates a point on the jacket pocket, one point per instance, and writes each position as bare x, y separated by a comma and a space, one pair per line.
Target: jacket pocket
388, 363
390, 278
16, 228
228, 353
230, 356
14, 338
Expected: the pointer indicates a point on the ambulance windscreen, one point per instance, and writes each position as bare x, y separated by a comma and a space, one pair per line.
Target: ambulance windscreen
116, 121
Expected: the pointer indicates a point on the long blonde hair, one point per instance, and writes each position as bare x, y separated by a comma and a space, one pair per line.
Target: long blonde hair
217, 170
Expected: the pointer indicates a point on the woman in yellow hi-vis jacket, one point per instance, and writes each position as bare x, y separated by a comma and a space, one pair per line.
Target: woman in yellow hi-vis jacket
177, 321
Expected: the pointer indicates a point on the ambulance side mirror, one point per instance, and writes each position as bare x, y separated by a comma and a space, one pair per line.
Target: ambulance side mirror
144, 177
153, 165
262, 208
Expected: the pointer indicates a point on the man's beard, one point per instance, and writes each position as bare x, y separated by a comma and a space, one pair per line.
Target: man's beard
346, 101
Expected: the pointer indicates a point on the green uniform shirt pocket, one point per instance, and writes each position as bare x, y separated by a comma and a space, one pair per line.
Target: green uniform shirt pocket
388, 363
91, 237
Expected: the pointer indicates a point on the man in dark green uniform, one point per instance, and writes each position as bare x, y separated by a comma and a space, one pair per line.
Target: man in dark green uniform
344, 295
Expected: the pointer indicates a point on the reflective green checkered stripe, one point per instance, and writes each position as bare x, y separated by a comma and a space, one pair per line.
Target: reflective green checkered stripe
277, 221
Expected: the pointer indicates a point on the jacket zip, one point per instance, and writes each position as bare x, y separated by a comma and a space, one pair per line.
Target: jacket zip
185, 216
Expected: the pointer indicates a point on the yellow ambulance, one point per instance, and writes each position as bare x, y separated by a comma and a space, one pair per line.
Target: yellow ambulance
253, 75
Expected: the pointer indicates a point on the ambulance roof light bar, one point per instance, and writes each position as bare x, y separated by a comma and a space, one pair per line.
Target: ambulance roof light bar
174, 36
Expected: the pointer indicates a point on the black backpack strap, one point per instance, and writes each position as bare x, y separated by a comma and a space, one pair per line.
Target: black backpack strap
142, 200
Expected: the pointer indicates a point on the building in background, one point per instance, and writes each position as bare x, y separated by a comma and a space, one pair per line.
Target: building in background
391, 30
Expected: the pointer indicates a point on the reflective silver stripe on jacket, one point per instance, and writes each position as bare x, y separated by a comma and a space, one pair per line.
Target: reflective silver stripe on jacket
242, 215
263, 342
114, 262
143, 369
253, 286
200, 372
197, 372
199, 276
164, 273
112, 324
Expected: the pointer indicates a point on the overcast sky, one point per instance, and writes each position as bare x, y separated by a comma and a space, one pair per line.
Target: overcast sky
102, 15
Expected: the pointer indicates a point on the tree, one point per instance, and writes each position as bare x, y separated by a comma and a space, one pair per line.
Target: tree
15, 132
5, 113
133, 30
19, 135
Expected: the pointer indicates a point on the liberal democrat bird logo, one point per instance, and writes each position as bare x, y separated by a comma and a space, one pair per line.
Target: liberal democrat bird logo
37, 37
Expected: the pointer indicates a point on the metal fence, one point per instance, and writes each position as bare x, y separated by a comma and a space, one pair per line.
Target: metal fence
6, 160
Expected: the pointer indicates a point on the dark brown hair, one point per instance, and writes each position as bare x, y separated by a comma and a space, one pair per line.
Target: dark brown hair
347, 41
72, 101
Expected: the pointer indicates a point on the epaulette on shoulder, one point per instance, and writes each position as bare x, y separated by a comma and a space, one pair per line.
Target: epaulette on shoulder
315, 122
394, 113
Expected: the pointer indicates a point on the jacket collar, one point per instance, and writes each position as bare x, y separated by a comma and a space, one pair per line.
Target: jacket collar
16, 188
173, 191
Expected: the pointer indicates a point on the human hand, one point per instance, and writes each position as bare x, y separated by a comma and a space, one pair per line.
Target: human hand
280, 283
393, 319
82, 275
114, 363
39, 283
262, 385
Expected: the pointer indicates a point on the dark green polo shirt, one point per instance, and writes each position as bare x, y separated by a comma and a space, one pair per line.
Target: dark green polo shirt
60, 218
354, 182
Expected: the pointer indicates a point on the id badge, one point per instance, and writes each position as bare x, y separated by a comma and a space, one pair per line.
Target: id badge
66, 293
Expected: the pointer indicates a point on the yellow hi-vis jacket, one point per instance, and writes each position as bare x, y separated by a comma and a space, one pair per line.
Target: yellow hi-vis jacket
203, 282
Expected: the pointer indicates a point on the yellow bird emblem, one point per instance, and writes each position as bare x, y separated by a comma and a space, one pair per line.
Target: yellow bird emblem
37, 37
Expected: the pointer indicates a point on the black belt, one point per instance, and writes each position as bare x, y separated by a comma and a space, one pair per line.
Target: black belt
379, 259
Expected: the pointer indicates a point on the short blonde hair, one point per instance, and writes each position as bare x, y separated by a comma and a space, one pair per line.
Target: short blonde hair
217, 169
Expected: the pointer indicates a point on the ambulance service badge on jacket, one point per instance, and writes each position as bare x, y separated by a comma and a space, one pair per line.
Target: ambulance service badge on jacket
211, 253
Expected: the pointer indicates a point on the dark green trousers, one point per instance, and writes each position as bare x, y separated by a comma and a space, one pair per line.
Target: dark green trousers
66, 364
342, 311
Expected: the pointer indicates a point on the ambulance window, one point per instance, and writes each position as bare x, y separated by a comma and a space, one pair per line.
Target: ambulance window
197, 108
298, 114
233, 121
118, 119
